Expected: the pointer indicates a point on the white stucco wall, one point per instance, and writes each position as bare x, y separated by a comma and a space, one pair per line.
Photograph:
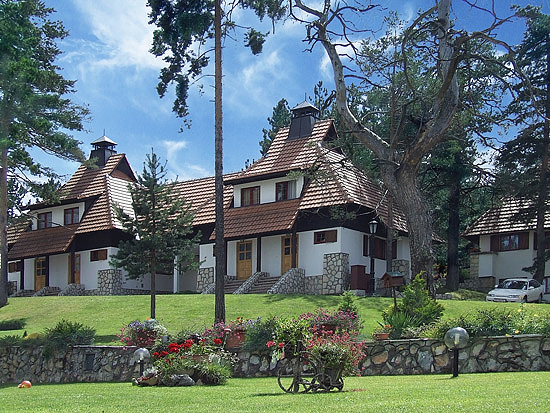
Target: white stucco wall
506, 264
271, 255
58, 217
267, 189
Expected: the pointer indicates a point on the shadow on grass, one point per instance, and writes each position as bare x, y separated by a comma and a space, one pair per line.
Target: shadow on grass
107, 340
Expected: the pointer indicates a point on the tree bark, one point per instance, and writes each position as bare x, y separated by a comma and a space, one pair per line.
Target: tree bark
4, 228
219, 310
399, 169
453, 234
540, 260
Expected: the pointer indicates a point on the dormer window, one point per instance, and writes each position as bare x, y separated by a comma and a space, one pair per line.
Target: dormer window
71, 216
250, 196
285, 190
45, 220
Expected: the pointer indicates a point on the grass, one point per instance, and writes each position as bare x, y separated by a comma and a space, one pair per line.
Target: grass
107, 314
508, 392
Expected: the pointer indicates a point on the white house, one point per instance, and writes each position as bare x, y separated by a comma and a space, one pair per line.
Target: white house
503, 245
297, 220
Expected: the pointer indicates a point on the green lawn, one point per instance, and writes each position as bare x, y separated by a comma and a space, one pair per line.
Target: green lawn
107, 314
489, 392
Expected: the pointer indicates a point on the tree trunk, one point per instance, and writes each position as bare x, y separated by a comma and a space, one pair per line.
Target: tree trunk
4, 228
540, 260
419, 221
153, 294
453, 234
389, 235
219, 310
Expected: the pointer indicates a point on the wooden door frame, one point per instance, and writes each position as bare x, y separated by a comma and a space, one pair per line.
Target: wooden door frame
237, 258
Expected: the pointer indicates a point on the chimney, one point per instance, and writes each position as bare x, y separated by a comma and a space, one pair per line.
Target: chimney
102, 150
304, 117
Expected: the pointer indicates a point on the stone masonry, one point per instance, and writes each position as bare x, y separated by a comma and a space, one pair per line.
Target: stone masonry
389, 357
205, 278
109, 282
336, 276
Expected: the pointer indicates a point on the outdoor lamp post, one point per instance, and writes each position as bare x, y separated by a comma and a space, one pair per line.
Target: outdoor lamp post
455, 339
142, 355
372, 228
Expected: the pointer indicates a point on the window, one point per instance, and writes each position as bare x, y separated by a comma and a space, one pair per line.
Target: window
322, 237
250, 196
71, 216
14, 266
44, 220
98, 255
379, 247
40, 267
285, 190
510, 242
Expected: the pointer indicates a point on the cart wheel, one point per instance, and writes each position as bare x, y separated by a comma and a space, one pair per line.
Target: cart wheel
320, 382
287, 382
339, 384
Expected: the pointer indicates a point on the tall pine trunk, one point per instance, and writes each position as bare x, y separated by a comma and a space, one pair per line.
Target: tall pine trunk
219, 306
4, 228
453, 234
540, 261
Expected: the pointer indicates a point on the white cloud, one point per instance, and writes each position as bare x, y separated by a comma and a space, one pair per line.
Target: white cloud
123, 35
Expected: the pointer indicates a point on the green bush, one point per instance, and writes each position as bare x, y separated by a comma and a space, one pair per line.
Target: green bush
416, 309
13, 324
66, 334
494, 322
347, 303
259, 333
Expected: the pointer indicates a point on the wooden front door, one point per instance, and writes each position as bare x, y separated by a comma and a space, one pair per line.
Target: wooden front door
244, 259
286, 253
76, 269
40, 269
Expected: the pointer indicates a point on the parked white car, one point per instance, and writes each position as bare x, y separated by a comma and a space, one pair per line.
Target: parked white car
517, 290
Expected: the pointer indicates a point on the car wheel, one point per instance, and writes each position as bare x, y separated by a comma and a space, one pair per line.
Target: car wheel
524, 299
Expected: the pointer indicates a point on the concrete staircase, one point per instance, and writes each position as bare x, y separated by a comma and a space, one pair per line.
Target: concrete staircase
232, 285
263, 284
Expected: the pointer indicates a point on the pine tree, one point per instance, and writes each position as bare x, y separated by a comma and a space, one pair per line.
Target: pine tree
34, 109
524, 161
161, 226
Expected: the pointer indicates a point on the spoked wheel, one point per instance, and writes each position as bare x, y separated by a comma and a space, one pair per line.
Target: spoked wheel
320, 382
287, 382
339, 384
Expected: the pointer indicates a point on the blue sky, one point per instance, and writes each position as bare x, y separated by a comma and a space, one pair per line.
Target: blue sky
107, 53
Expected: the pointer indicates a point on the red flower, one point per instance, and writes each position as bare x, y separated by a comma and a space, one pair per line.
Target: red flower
173, 347
217, 341
270, 343
187, 344
164, 353
281, 345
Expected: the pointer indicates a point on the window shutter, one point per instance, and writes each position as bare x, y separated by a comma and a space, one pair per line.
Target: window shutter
523, 241
365, 245
495, 243
331, 236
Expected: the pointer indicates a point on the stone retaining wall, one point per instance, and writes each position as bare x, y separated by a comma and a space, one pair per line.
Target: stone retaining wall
390, 357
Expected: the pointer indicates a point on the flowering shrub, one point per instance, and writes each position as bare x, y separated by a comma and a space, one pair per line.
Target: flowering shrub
202, 361
142, 334
334, 320
337, 351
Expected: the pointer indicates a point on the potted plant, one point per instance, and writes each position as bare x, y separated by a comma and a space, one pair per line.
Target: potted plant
337, 354
382, 332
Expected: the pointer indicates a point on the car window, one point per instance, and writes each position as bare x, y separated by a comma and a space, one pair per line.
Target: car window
534, 283
513, 284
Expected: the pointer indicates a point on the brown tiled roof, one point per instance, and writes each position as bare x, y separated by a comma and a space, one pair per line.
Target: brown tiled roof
260, 219
500, 219
93, 185
287, 155
87, 182
200, 195
338, 182
41, 242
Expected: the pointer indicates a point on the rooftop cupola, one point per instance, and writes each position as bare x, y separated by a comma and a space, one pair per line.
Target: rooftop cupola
304, 117
102, 150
